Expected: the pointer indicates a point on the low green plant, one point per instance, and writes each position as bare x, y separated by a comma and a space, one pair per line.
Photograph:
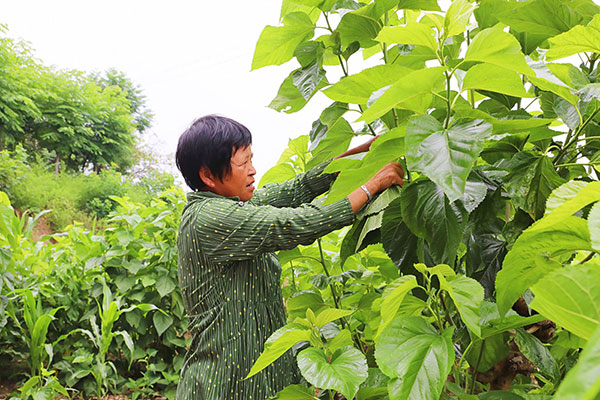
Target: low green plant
42, 387
102, 337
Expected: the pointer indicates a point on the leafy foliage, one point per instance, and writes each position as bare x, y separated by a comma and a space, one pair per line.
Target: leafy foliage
499, 144
130, 269
84, 121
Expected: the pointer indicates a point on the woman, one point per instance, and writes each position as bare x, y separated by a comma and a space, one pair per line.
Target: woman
228, 272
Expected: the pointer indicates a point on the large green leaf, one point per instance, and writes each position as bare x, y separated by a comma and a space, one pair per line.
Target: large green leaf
531, 179
307, 7
484, 354
570, 297
161, 322
502, 126
430, 215
344, 372
583, 381
535, 254
413, 57
372, 223
427, 5
567, 113
494, 78
296, 392
475, 192
467, 295
358, 88
446, 156
353, 173
276, 45
546, 80
328, 118
425, 361
492, 323
334, 140
309, 79
398, 241
594, 226
331, 314
563, 193
494, 46
537, 353
302, 301
547, 17
298, 88
277, 344
413, 33
457, 17
165, 285
357, 27
586, 194
380, 202
487, 12
350, 244
414, 93
392, 298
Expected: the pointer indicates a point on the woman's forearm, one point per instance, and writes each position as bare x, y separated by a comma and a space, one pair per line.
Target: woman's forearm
361, 148
359, 197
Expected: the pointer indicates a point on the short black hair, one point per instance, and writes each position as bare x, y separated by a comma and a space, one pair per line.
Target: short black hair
210, 141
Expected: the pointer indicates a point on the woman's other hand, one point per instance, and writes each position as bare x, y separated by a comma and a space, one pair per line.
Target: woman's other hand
361, 148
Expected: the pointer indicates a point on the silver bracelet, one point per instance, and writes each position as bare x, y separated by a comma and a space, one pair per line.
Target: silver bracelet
364, 187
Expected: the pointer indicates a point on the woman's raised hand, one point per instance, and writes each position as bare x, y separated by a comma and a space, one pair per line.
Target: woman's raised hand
390, 174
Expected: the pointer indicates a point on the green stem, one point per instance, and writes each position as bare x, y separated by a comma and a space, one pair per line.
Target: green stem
293, 279
447, 314
440, 96
448, 100
335, 299
532, 101
339, 56
368, 124
437, 314
472, 388
327, 21
462, 357
574, 163
588, 257
433, 299
575, 136
395, 114
588, 138
384, 45
592, 61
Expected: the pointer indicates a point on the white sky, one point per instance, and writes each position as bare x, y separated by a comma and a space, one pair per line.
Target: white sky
191, 58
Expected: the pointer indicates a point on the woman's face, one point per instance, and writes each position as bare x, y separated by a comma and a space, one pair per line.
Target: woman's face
240, 181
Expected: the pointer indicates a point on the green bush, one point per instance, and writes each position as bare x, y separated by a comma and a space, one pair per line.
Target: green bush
74, 279
33, 185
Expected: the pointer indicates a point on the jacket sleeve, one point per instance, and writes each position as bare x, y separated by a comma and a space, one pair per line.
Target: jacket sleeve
235, 231
302, 189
